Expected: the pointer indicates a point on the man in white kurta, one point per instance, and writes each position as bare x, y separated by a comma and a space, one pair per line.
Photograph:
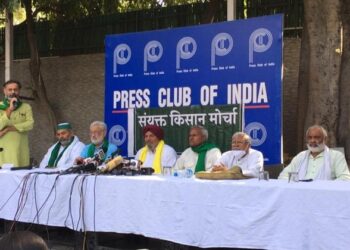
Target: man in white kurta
318, 162
251, 161
192, 158
63, 153
155, 154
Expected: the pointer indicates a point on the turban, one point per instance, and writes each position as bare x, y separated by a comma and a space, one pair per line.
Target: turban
154, 129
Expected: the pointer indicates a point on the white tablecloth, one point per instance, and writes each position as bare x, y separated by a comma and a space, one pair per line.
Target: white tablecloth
249, 213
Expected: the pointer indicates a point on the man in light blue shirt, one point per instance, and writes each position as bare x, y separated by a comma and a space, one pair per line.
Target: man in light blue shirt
98, 131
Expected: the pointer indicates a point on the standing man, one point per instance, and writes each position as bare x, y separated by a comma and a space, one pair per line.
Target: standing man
318, 161
155, 154
16, 119
201, 155
251, 161
98, 131
63, 153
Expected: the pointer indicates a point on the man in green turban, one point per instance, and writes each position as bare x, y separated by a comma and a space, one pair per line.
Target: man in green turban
63, 153
16, 119
201, 155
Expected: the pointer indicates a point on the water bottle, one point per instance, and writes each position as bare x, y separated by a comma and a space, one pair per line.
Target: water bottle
184, 173
188, 172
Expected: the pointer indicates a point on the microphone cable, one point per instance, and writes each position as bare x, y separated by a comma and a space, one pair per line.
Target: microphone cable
22, 200
69, 214
94, 189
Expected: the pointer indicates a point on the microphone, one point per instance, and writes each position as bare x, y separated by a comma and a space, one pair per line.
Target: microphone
89, 164
99, 157
112, 164
15, 104
27, 98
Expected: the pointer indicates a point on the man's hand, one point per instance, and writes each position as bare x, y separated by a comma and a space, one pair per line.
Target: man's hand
3, 132
12, 106
79, 160
219, 167
13, 102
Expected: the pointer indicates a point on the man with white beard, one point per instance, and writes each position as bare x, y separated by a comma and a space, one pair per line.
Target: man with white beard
251, 161
99, 142
318, 162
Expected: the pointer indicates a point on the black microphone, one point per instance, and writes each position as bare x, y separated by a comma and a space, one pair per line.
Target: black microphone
89, 166
26, 98
15, 103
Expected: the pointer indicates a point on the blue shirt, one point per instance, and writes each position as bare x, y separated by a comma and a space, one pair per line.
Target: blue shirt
111, 149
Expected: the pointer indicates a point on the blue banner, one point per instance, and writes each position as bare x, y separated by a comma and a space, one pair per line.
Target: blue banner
228, 63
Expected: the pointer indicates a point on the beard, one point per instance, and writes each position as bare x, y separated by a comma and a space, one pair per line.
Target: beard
151, 146
96, 141
65, 142
239, 153
318, 148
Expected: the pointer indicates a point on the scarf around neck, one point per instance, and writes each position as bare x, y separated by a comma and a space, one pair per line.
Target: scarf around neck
201, 150
92, 148
5, 104
325, 170
157, 161
54, 157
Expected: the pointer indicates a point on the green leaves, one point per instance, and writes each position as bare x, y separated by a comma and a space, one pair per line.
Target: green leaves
10, 5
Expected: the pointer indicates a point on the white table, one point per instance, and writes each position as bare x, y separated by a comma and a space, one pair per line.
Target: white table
249, 213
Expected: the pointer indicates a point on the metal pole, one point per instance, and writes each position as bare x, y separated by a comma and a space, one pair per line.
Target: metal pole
231, 10
8, 45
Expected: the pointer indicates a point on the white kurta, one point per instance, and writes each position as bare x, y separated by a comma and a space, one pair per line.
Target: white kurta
169, 157
251, 163
72, 152
339, 168
188, 159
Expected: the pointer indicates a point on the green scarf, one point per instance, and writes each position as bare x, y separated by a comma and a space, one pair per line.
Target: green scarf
54, 157
5, 104
201, 150
92, 147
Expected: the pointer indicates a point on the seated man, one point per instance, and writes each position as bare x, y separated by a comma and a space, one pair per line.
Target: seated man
318, 162
63, 153
201, 155
98, 131
155, 153
249, 160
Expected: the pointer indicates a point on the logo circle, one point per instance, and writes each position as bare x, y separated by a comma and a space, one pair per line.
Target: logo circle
262, 39
186, 52
257, 133
122, 53
220, 42
117, 135
154, 51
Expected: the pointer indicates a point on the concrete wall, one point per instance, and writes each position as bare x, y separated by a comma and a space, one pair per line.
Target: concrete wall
75, 86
